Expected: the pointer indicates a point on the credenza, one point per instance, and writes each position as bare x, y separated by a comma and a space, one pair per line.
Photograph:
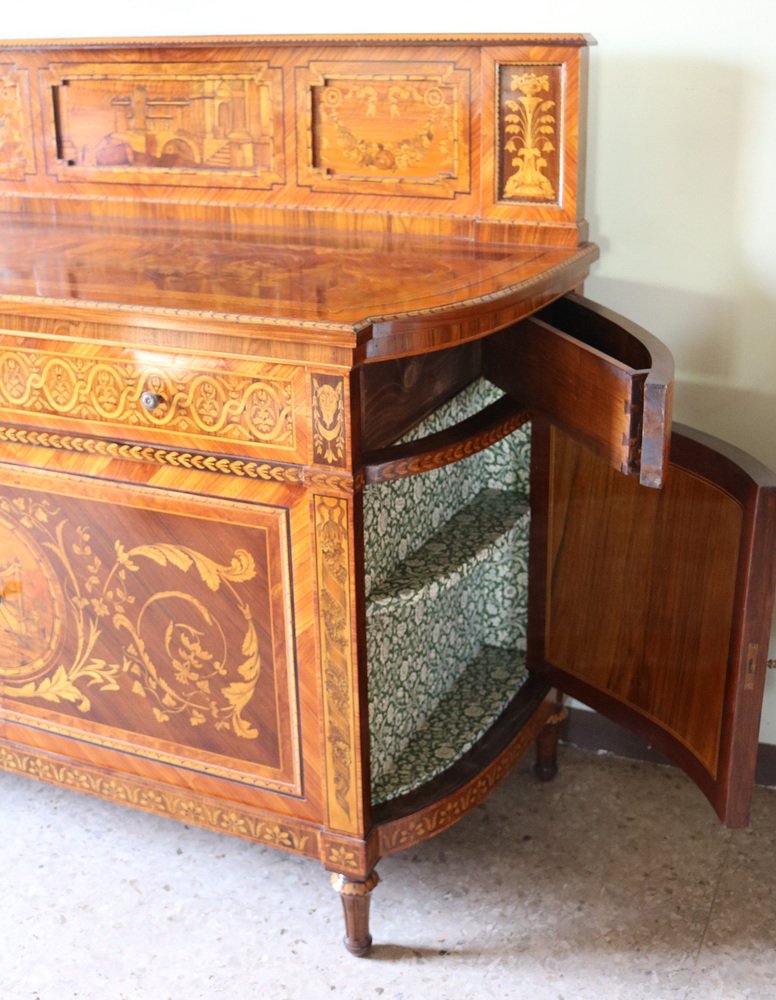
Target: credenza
320, 479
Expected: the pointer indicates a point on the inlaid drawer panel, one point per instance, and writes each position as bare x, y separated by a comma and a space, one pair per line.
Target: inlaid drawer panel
239, 407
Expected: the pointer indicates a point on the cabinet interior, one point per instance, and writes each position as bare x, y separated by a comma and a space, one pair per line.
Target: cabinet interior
446, 580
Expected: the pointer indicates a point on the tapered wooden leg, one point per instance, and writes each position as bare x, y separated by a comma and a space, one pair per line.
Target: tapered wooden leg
546, 766
355, 898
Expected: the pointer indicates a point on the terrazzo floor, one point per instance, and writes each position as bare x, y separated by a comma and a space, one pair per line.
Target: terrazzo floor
613, 881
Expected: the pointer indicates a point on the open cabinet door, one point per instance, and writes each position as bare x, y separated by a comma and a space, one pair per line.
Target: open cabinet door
654, 606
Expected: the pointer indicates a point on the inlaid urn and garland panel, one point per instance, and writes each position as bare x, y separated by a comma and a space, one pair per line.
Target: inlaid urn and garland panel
385, 128
142, 618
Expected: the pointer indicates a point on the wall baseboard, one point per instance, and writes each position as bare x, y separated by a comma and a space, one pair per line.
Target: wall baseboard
591, 731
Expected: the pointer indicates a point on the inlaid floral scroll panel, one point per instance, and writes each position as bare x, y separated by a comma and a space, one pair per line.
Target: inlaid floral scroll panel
142, 617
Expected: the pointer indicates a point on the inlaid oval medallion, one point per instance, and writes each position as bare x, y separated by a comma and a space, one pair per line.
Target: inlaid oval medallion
14, 378
60, 386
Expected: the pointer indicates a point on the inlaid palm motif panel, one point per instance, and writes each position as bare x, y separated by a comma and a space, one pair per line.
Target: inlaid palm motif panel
530, 133
146, 624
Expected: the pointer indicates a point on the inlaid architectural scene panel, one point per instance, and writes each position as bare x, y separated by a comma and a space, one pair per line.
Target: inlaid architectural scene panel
17, 156
530, 135
155, 122
179, 637
385, 128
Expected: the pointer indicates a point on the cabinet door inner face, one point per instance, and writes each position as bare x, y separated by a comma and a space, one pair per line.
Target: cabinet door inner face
653, 606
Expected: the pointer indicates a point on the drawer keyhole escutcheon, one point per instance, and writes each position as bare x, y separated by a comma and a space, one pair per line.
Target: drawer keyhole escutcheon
151, 400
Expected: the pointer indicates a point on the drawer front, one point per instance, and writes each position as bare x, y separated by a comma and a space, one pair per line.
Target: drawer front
596, 375
236, 407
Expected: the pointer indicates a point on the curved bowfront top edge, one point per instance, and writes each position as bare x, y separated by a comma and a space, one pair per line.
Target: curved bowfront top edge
342, 280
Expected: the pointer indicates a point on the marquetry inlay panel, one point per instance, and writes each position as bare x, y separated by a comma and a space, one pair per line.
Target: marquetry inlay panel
156, 393
17, 156
329, 423
120, 615
385, 128
335, 628
159, 123
530, 139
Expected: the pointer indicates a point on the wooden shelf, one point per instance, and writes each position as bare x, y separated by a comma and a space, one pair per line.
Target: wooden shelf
475, 699
439, 689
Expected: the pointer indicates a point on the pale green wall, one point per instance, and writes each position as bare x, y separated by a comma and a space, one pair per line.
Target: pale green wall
682, 147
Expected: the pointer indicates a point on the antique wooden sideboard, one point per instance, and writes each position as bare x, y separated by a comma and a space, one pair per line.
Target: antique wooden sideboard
318, 477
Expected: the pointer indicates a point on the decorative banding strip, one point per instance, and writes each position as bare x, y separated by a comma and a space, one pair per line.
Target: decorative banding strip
197, 461
153, 797
332, 542
245, 408
200, 41
340, 884
202, 767
202, 314
586, 252
464, 439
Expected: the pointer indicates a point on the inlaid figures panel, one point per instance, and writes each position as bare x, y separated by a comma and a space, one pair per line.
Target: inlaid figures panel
131, 617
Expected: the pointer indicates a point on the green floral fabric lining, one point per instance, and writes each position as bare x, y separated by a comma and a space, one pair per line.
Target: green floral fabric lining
465, 712
400, 516
447, 576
